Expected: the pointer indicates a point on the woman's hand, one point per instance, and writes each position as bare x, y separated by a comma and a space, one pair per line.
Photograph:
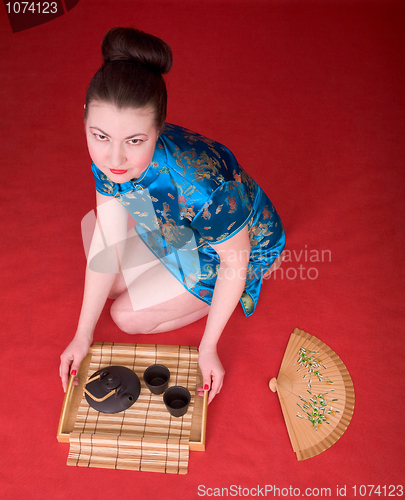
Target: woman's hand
212, 372
71, 358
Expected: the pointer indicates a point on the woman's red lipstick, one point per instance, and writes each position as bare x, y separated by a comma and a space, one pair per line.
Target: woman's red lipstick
118, 172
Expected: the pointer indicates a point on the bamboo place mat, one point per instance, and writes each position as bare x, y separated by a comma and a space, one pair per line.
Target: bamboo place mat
145, 437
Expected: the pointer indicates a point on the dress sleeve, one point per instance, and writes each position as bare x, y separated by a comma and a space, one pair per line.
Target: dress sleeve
226, 212
103, 184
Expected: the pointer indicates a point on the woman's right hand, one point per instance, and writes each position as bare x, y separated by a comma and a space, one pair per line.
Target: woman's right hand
71, 358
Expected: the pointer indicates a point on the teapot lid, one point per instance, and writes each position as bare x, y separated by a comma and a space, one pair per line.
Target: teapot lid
112, 389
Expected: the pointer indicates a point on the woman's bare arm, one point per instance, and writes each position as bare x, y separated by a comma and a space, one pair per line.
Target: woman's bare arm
109, 231
234, 259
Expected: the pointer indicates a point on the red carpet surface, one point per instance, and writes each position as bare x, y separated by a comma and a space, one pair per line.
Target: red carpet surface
309, 95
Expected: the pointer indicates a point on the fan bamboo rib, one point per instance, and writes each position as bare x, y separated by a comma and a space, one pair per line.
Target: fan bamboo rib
144, 437
298, 389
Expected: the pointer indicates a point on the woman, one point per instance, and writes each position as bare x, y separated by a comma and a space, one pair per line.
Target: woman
205, 233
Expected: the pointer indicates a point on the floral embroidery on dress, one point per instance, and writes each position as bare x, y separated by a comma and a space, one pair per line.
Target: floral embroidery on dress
266, 213
206, 213
199, 167
187, 213
230, 200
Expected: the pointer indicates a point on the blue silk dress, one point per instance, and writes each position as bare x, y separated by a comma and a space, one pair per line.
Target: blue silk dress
193, 195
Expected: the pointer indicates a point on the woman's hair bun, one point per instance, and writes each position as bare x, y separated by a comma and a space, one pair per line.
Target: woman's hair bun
130, 44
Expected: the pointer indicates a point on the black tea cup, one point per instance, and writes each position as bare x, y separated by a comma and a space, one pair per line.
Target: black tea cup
177, 399
156, 378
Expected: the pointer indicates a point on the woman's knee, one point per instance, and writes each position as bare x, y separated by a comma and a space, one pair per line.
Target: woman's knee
131, 322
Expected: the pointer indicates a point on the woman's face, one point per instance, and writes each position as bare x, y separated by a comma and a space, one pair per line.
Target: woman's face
121, 142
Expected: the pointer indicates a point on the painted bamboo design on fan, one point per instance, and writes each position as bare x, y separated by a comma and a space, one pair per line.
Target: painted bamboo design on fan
318, 408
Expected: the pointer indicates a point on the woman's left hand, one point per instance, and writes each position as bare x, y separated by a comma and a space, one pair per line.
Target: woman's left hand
212, 371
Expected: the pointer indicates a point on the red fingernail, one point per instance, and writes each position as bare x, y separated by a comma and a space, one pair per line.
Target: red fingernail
206, 387
73, 372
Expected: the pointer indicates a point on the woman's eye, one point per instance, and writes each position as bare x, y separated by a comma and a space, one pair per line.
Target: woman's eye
135, 141
100, 137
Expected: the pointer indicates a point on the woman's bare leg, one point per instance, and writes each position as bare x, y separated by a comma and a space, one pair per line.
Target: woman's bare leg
136, 260
156, 302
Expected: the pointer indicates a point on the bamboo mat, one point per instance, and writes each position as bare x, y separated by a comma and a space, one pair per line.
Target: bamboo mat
144, 437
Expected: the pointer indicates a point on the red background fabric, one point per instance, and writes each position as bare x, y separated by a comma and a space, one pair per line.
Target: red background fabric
309, 95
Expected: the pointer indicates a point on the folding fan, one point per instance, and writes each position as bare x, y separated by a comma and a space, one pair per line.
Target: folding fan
316, 394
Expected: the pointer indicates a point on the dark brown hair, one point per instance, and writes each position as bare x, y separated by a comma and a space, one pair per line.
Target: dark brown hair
131, 73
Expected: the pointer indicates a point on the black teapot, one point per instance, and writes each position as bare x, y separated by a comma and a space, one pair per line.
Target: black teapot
112, 389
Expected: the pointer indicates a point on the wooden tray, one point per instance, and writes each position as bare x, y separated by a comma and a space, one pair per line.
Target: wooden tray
74, 396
